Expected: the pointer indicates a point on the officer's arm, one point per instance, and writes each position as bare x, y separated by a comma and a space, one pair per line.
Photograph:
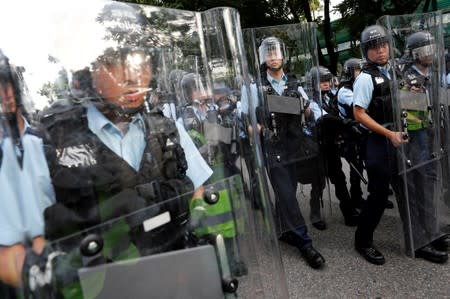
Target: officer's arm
362, 117
11, 261
198, 193
12, 258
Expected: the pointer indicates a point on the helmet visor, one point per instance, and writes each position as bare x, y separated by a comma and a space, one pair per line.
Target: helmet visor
424, 51
272, 51
326, 77
122, 75
376, 43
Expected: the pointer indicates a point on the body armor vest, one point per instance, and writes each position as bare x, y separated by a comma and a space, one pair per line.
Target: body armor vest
92, 184
380, 107
415, 119
286, 147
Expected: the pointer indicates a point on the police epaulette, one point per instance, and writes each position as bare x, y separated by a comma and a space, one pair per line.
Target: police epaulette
61, 114
35, 132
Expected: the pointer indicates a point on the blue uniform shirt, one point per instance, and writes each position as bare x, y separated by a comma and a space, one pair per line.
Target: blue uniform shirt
278, 86
24, 192
316, 109
363, 88
345, 97
131, 146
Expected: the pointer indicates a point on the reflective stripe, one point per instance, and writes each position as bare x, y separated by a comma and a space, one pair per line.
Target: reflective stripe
416, 120
216, 219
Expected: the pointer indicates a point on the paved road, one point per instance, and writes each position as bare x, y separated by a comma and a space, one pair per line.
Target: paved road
347, 275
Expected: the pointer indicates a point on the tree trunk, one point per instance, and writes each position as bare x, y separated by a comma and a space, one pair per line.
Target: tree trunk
333, 56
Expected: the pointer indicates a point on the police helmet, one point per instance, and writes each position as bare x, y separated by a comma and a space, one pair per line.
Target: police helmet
420, 44
271, 47
371, 37
194, 90
320, 74
9, 75
350, 65
127, 50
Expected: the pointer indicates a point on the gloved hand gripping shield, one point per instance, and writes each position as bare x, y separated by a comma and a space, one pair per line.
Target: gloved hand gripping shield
287, 121
107, 95
419, 109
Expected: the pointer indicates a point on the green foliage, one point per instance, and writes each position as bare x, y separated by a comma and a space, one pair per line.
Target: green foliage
356, 14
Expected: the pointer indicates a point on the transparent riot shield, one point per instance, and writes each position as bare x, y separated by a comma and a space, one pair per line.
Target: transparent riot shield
417, 59
137, 109
160, 251
446, 108
286, 122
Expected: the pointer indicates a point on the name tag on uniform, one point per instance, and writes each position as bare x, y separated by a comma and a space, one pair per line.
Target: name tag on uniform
379, 80
156, 221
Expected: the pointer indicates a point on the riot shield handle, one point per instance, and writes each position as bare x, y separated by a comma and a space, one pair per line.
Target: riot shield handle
442, 116
430, 108
229, 283
404, 129
90, 248
403, 116
273, 122
211, 196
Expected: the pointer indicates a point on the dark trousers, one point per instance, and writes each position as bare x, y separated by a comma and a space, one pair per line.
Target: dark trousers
334, 172
354, 156
288, 215
381, 167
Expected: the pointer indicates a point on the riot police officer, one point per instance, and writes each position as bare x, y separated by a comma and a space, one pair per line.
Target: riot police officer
208, 127
352, 141
371, 93
331, 127
110, 156
351, 147
283, 141
22, 160
421, 181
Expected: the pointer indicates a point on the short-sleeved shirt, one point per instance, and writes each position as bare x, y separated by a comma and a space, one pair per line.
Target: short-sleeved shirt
25, 191
317, 110
278, 85
131, 146
363, 89
344, 97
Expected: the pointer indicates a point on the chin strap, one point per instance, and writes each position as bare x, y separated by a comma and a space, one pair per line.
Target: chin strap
275, 69
14, 131
118, 113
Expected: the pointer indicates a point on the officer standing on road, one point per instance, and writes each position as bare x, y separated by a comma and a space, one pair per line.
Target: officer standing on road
283, 139
373, 109
351, 147
421, 182
331, 127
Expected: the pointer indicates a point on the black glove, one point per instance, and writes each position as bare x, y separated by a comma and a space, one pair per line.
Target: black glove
352, 125
330, 123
